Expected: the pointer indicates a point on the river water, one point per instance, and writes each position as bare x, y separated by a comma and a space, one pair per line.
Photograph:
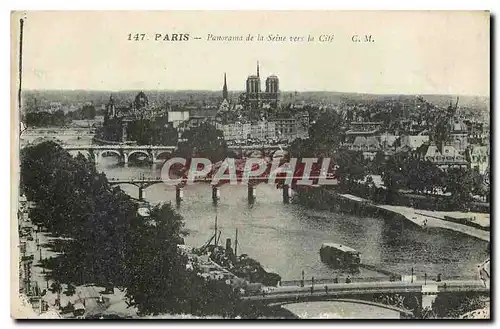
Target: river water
286, 237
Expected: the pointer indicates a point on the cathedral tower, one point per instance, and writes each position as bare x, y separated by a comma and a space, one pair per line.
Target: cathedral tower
224, 89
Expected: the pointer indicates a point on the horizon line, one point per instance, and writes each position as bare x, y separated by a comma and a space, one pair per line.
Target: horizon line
243, 91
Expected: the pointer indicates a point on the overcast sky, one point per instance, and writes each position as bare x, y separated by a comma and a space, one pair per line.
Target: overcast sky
417, 53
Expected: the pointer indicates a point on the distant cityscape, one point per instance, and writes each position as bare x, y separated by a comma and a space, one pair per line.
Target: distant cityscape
410, 158
254, 200
257, 116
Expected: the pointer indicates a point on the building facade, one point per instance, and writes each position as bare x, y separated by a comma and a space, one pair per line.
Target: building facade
255, 97
292, 128
479, 158
261, 131
445, 157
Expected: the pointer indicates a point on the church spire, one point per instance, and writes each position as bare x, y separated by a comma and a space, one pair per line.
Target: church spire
258, 75
224, 88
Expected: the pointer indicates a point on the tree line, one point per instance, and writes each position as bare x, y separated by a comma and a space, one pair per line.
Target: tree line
59, 118
108, 243
402, 171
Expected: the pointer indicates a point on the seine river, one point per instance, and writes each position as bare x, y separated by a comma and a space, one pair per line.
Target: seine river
286, 237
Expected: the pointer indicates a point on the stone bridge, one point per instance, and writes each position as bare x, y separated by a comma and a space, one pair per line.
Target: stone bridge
154, 152
123, 152
411, 299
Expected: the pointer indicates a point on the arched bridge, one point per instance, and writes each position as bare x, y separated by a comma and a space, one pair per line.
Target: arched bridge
407, 298
251, 183
153, 152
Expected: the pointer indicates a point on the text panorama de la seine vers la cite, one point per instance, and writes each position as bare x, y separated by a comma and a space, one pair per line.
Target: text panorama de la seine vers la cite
275, 38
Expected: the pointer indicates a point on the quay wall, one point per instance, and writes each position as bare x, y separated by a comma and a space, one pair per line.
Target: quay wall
323, 199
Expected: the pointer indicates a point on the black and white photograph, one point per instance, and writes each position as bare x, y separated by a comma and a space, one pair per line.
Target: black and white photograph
250, 165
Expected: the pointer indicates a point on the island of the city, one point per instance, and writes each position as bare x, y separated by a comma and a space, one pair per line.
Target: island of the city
402, 232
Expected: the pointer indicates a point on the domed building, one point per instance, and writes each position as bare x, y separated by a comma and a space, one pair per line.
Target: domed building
141, 101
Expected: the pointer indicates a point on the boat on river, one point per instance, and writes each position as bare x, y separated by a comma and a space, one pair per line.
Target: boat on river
242, 266
340, 256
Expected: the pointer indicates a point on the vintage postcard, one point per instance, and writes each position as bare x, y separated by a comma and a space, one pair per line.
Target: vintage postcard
250, 165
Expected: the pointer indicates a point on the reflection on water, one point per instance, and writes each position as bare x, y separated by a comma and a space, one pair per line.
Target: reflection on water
287, 238
340, 310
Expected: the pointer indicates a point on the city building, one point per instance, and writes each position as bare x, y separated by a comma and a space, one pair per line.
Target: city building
255, 97
445, 156
235, 131
292, 128
363, 129
387, 140
224, 89
199, 116
177, 117
224, 107
478, 132
479, 158
264, 130
140, 108
411, 143
458, 135
369, 143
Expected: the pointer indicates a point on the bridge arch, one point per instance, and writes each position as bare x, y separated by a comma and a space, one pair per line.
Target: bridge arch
100, 153
163, 154
402, 311
103, 152
146, 153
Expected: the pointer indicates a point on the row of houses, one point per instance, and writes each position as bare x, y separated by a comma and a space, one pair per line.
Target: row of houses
444, 156
276, 128
456, 151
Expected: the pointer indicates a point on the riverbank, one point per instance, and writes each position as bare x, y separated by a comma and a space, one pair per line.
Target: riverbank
326, 199
38, 301
426, 218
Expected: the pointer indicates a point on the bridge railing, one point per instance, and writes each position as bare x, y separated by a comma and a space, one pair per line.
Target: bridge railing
342, 279
171, 147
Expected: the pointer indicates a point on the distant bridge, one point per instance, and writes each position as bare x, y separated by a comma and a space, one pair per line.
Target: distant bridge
144, 183
407, 298
151, 152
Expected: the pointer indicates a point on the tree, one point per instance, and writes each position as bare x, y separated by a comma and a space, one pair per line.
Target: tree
156, 271
70, 290
203, 141
56, 287
76, 201
44, 119
326, 133
452, 305
111, 245
424, 176
460, 183
393, 175
378, 163
88, 112
351, 166
303, 148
